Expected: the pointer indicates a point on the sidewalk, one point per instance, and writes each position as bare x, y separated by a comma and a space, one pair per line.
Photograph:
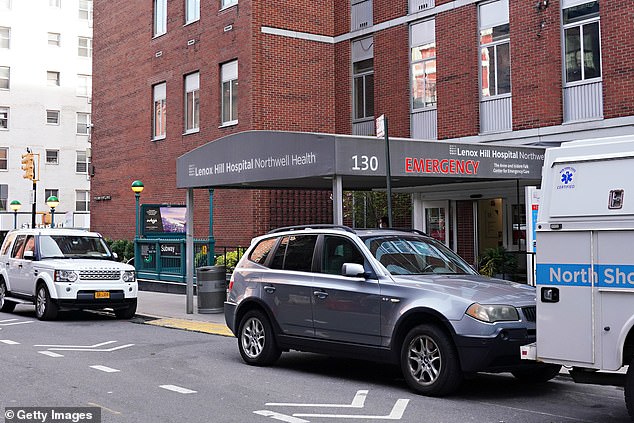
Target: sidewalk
170, 310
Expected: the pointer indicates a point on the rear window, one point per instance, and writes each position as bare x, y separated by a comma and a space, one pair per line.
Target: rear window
261, 251
295, 253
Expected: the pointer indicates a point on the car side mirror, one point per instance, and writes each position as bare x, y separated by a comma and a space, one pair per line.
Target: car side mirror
28, 255
354, 270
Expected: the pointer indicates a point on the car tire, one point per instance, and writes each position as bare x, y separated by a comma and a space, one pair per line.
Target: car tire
45, 307
256, 340
6, 306
541, 374
127, 312
429, 361
629, 390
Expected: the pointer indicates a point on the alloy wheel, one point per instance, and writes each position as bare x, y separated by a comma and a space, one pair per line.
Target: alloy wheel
253, 338
425, 361
41, 302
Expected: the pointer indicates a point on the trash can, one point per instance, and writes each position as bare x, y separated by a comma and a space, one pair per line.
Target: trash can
211, 289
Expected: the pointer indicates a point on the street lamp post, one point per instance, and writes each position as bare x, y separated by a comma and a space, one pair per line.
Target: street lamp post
15, 206
52, 202
137, 187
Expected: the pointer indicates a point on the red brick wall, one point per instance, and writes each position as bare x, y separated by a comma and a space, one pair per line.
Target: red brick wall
385, 10
457, 72
535, 65
617, 49
341, 13
391, 79
343, 88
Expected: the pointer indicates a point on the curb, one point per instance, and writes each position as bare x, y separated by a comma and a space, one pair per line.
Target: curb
184, 324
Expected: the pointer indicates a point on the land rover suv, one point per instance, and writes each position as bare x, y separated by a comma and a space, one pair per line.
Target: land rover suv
64, 269
386, 295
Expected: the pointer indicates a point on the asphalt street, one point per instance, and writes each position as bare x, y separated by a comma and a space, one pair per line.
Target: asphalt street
137, 372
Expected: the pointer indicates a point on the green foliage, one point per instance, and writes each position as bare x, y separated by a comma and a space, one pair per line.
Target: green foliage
123, 247
496, 261
200, 259
229, 260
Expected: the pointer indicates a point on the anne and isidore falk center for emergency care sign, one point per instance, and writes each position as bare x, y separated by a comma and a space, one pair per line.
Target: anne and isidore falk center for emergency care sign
278, 159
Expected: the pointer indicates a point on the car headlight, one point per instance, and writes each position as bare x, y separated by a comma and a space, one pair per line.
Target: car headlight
492, 313
128, 276
65, 276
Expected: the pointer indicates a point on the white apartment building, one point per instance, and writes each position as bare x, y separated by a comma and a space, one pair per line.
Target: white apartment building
45, 106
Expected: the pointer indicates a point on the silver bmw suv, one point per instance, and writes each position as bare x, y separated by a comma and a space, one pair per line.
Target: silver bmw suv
386, 295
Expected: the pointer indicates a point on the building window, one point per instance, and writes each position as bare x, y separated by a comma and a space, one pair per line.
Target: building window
160, 109
227, 3
5, 36
52, 157
84, 48
4, 118
84, 85
4, 196
582, 42
4, 158
82, 201
363, 89
192, 102
192, 10
495, 51
52, 78
83, 123
5, 73
81, 164
52, 117
55, 3
423, 58
229, 90
54, 39
49, 192
85, 9
160, 17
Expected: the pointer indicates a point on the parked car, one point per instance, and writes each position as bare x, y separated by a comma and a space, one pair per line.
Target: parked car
59, 269
383, 295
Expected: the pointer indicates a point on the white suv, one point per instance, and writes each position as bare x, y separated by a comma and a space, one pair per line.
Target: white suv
64, 269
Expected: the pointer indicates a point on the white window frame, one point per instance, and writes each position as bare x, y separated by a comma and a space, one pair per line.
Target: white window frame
54, 39
224, 4
160, 17
5, 37
192, 11
85, 10
53, 159
192, 102
50, 191
159, 111
84, 201
81, 162
53, 78
84, 47
499, 17
229, 83
84, 85
50, 114
581, 24
4, 117
4, 158
4, 196
423, 36
5, 78
83, 121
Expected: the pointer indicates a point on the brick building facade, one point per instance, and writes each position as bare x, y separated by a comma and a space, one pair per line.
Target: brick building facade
492, 72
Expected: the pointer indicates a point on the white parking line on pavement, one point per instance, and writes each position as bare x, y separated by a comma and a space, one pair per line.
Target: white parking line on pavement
357, 402
51, 354
396, 414
104, 369
281, 417
9, 342
178, 389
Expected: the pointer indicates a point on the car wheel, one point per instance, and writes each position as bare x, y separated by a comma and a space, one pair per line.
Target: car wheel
5, 305
536, 374
629, 390
256, 341
127, 312
429, 361
45, 307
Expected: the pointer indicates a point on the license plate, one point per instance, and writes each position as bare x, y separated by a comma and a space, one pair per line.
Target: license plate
102, 294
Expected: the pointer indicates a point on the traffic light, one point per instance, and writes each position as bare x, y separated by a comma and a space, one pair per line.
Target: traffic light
28, 166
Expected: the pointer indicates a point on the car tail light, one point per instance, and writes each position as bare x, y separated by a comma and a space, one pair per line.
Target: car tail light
230, 284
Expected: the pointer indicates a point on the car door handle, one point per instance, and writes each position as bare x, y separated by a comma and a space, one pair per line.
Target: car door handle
269, 289
320, 294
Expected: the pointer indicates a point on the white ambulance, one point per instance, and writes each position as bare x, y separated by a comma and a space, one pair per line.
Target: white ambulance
585, 262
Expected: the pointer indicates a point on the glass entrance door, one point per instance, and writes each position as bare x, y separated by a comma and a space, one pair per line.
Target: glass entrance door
436, 221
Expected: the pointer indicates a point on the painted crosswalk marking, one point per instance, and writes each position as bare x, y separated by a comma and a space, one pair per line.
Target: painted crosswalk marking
178, 389
9, 342
50, 354
104, 369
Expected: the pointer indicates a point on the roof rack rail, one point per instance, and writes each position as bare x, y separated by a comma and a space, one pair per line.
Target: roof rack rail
316, 226
415, 231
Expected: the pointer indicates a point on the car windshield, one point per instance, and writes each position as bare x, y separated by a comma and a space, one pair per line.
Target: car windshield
73, 246
415, 255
